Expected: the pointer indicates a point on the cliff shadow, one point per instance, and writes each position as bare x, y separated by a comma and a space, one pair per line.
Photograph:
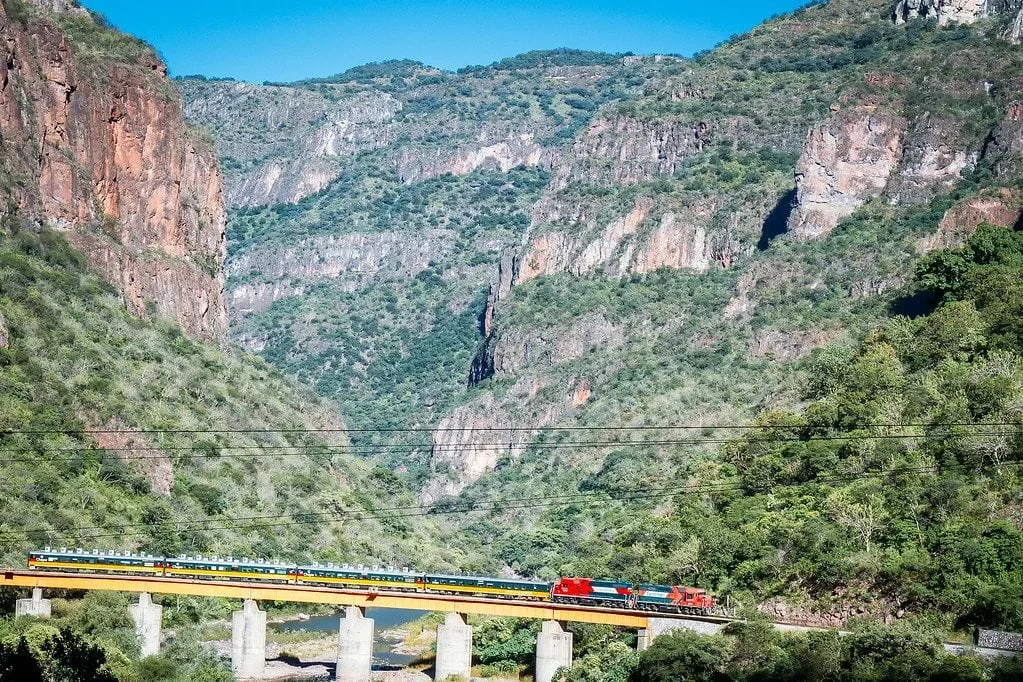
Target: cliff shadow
777, 220
914, 304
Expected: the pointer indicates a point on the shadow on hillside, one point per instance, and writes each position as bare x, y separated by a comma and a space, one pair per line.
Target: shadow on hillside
914, 305
777, 220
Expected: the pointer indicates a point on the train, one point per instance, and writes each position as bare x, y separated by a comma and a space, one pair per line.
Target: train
564, 590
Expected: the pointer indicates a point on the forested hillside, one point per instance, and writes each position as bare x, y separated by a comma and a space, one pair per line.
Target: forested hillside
714, 241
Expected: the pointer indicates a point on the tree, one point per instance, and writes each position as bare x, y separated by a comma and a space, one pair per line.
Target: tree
18, 664
75, 660
682, 656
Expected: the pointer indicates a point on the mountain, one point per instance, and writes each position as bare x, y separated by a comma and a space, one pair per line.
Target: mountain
617, 243
118, 415
96, 145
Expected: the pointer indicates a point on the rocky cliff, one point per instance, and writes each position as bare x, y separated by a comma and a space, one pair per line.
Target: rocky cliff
847, 160
96, 145
427, 122
644, 225
604, 213
950, 11
870, 151
356, 258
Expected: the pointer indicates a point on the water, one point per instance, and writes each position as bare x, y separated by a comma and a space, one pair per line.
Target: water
384, 619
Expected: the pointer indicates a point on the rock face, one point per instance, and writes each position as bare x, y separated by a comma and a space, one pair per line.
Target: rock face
574, 234
104, 153
153, 464
511, 353
789, 345
847, 160
962, 220
284, 142
518, 149
933, 159
358, 256
320, 132
624, 150
950, 11
639, 242
1005, 147
5, 336
471, 441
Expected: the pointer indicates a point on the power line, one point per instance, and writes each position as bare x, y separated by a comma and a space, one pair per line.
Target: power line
216, 452
491, 505
504, 429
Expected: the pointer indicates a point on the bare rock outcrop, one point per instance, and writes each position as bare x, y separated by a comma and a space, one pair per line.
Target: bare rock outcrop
303, 137
847, 160
5, 336
962, 220
104, 153
470, 442
133, 449
518, 149
837, 616
621, 150
946, 11
1005, 146
548, 347
682, 237
1015, 32
359, 256
934, 156
786, 346
352, 125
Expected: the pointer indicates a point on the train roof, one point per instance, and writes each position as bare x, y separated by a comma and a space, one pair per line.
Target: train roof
360, 568
103, 554
92, 554
457, 576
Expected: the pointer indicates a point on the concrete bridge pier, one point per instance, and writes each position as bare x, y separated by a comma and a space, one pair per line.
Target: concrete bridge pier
354, 646
643, 640
36, 606
148, 619
454, 648
248, 642
553, 650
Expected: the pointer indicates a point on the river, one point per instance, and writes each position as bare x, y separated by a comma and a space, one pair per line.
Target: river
384, 619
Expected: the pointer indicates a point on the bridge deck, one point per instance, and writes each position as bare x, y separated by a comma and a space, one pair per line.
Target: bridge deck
325, 595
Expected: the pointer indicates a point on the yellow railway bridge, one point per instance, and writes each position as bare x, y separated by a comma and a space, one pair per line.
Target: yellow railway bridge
355, 641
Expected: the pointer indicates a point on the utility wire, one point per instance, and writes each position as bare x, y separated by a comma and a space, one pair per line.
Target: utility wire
665, 427
487, 505
216, 452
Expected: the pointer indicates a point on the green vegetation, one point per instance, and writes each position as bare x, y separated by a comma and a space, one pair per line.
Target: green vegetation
93, 38
91, 639
801, 338
542, 59
74, 350
395, 345
753, 651
480, 207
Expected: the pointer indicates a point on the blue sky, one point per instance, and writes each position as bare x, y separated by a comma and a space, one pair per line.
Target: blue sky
278, 40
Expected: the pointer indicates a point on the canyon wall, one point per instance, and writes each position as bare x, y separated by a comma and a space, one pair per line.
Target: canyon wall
98, 148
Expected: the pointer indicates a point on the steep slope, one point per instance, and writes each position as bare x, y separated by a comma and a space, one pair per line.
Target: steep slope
95, 144
122, 432
372, 288
231, 458
878, 122
427, 122
903, 145
692, 247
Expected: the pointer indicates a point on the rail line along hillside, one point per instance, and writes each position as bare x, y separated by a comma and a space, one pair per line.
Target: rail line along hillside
675, 599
